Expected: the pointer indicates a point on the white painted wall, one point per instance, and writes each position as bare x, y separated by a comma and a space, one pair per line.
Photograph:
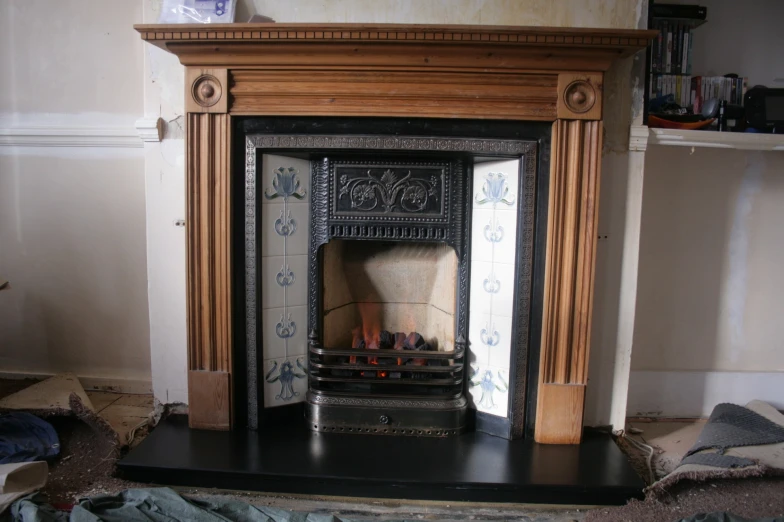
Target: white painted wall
708, 318
710, 282
606, 401
164, 174
72, 218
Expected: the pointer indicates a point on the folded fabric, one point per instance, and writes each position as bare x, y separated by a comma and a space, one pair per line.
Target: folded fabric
26, 438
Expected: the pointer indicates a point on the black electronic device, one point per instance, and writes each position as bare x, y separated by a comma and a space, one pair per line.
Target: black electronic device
764, 109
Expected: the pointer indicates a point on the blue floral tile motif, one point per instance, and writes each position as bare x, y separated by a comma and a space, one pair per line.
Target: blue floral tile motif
489, 335
491, 284
285, 184
494, 236
285, 328
488, 383
495, 190
494, 232
285, 225
285, 277
285, 375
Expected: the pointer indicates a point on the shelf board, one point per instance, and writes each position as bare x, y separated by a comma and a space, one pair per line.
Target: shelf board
716, 140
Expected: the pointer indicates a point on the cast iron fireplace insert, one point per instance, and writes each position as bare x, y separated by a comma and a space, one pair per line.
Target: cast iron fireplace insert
376, 378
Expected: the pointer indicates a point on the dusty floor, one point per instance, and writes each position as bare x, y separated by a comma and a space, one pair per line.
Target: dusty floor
670, 439
750, 498
86, 467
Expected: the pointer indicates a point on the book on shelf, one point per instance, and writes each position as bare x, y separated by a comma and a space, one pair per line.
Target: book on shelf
668, 49
671, 51
692, 91
677, 47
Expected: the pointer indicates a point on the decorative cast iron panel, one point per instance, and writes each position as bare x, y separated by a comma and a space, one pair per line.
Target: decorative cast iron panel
397, 200
389, 191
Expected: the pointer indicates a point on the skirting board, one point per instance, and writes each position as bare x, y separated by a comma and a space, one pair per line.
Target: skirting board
90, 383
694, 394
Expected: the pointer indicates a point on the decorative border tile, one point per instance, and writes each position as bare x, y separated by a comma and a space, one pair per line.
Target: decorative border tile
285, 381
489, 389
493, 256
285, 224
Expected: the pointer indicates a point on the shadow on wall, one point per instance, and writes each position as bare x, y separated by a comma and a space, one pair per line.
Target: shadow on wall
709, 286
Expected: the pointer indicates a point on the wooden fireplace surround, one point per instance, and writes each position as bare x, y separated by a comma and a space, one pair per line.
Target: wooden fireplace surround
436, 71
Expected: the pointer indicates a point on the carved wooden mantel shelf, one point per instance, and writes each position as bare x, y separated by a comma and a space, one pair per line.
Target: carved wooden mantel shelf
437, 71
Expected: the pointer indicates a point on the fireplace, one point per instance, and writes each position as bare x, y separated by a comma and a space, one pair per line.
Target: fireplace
413, 316
352, 187
517, 75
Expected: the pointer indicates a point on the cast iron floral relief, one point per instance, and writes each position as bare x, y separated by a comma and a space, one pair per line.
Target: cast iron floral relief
389, 190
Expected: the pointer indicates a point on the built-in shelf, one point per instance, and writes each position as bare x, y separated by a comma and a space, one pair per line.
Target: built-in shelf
709, 139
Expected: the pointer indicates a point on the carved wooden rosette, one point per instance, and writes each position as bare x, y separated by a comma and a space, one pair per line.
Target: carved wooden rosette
518, 73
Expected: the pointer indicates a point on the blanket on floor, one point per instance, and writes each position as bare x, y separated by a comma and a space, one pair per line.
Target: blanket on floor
158, 505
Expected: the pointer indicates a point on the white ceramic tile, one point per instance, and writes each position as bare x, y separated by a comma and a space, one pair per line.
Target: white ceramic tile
301, 385
480, 247
485, 334
506, 250
509, 169
270, 163
481, 300
274, 347
489, 390
297, 241
501, 226
503, 300
498, 355
290, 387
272, 292
478, 352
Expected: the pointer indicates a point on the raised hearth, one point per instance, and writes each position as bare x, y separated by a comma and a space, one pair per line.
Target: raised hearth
295, 460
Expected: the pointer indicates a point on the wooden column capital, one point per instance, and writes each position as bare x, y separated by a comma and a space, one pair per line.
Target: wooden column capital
579, 96
206, 90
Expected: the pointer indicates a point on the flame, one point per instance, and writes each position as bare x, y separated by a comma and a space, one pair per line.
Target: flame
371, 327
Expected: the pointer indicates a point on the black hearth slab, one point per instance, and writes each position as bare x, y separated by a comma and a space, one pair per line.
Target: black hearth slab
472, 467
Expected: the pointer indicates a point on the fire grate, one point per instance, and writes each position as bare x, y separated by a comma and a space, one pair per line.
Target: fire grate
388, 383
387, 372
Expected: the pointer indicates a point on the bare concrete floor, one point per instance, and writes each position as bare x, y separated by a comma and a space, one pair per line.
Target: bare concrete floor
124, 412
